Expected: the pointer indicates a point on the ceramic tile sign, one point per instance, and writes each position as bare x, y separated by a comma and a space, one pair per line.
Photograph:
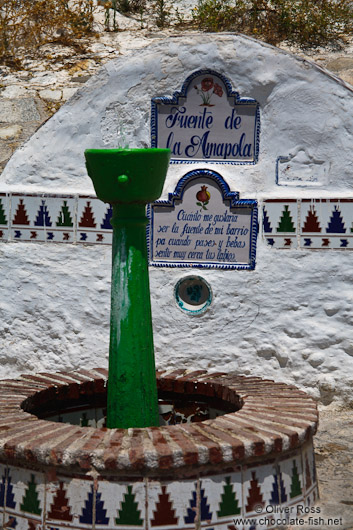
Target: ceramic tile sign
207, 120
203, 224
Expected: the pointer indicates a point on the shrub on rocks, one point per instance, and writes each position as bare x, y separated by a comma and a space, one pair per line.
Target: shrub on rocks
306, 23
24, 26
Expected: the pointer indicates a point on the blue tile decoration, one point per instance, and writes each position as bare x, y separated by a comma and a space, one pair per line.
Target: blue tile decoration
189, 518
308, 223
203, 229
105, 225
24, 501
278, 494
205, 134
93, 221
287, 224
88, 511
29, 500
6, 499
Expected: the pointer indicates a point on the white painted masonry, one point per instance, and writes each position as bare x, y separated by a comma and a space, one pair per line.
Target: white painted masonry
289, 320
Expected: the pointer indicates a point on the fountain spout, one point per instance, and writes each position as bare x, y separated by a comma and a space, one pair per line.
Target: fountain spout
129, 179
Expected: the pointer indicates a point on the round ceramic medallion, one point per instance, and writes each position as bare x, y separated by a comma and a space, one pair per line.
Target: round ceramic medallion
193, 294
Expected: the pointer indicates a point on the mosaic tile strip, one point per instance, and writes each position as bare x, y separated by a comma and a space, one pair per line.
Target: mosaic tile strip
280, 219
316, 224
24, 507
326, 224
55, 219
30, 499
308, 224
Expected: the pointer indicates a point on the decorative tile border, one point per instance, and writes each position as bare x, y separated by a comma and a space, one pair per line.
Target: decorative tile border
279, 223
314, 224
273, 490
54, 219
308, 223
23, 502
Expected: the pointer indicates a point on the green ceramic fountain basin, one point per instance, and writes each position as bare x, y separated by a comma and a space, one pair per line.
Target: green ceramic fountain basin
127, 175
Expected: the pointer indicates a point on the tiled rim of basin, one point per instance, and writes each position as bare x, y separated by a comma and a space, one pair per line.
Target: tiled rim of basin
273, 418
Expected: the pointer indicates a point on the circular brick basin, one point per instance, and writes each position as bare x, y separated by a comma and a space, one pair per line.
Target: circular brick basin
252, 459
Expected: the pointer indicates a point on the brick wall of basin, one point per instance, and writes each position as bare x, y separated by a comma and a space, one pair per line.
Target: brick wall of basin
253, 463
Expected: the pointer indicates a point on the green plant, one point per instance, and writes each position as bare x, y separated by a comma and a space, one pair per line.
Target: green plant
303, 22
162, 11
131, 6
109, 5
24, 26
320, 22
179, 17
122, 6
218, 15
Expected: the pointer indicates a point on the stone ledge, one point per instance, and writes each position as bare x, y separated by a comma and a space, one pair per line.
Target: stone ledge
273, 418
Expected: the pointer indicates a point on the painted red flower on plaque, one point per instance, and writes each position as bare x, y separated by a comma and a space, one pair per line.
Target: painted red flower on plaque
207, 89
218, 90
206, 84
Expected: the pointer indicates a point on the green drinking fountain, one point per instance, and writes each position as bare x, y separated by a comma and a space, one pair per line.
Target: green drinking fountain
225, 437
129, 179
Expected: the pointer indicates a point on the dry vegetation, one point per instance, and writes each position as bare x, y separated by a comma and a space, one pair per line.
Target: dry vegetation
25, 25
305, 23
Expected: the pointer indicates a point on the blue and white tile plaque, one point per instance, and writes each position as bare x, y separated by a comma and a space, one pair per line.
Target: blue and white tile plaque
203, 224
208, 121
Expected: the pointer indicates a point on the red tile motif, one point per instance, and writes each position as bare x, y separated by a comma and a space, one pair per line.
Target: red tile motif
288, 224
308, 224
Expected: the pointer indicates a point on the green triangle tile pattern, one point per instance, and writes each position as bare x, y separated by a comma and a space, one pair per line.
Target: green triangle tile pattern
229, 503
295, 488
3, 219
286, 223
30, 501
129, 514
64, 218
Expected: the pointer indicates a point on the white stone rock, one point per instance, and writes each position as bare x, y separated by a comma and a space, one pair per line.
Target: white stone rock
9, 79
51, 95
68, 93
45, 79
9, 132
18, 110
316, 359
14, 91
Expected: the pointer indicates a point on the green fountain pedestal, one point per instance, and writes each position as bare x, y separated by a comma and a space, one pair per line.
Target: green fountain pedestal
129, 179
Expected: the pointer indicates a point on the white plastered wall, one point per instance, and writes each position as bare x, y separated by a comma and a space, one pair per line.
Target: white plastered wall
290, 319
